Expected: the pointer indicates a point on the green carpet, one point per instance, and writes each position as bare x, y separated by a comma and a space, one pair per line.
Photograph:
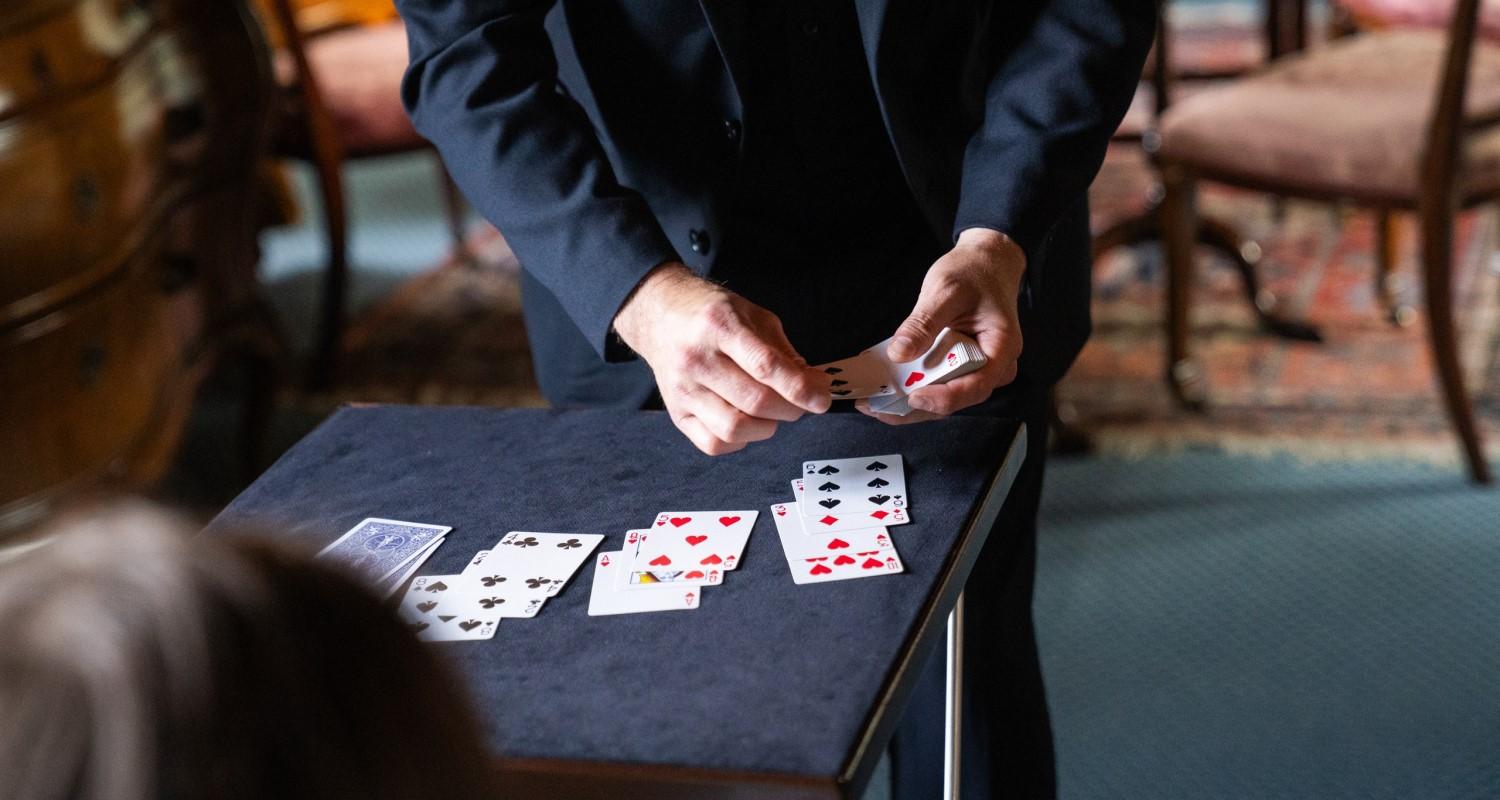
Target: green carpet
1228, 627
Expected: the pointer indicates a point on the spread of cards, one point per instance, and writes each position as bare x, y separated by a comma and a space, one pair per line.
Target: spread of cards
887, 384
835, 530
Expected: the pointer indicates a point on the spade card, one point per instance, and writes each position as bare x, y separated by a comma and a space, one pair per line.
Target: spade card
825, 567
864, 375
630, 578
436, 609
853, 493
822, 543
378, 548
605, 600
691, 540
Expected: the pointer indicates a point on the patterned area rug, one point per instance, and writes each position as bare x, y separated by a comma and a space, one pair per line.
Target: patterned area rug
1366, 391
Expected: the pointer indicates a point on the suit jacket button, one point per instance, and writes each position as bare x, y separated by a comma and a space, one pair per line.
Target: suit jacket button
699, 241
732, 130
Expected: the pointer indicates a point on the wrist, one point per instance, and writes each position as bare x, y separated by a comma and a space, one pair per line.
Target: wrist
992, 242
633, 320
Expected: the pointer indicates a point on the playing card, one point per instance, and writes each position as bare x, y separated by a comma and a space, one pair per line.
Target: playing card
853, 493
864, 375
821, 568
630, 578
820, 543
526, 565
411, 567
952, 355
690, 541
378, 548
606, 600
437, 610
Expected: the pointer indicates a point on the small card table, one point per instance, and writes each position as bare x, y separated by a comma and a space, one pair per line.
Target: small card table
768, 689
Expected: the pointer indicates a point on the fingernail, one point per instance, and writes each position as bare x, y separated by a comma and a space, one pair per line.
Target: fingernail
919, 403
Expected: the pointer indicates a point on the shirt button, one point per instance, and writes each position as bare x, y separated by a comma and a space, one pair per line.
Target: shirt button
732, 130
699, 241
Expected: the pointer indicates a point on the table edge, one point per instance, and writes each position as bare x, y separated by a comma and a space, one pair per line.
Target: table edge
880, 725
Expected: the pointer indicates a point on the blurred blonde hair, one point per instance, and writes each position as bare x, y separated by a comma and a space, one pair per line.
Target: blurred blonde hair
140, 661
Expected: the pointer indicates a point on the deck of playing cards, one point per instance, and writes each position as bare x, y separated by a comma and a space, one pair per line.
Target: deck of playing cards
836, 528
385, 552
873, 375
665, 567
512, 579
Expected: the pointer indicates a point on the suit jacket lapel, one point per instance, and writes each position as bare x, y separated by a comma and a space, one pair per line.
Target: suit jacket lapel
726, 20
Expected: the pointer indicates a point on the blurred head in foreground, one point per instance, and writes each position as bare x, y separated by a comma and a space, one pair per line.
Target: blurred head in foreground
138, 661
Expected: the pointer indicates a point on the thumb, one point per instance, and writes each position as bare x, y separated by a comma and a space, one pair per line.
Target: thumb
934, 310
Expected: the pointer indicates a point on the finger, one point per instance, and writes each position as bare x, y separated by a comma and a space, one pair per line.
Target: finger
727, 380
771, 363
694, 429
725, 421
970, 390
936, 307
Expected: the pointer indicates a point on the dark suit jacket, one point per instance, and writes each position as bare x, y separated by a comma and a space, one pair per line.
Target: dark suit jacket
593, 134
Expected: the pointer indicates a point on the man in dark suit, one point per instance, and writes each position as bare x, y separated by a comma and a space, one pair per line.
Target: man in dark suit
705, 197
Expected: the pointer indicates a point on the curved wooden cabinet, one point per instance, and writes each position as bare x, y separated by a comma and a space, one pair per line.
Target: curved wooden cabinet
129, 133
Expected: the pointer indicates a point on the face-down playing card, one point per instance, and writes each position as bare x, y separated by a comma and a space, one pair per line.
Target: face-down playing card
439, 608
853, 493
605, 600
378, 548
691, 541
815, 566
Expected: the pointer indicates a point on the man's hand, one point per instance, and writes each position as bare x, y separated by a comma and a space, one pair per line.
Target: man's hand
725, 369
971, 289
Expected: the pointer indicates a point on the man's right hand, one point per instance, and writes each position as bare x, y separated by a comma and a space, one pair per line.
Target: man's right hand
723, 365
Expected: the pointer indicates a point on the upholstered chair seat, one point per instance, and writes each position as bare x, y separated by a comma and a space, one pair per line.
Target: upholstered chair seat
1344, 120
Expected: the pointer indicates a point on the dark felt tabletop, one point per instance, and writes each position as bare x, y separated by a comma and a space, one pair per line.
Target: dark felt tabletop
766, 676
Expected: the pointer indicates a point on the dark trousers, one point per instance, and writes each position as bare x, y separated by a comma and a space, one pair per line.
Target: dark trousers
1007, 735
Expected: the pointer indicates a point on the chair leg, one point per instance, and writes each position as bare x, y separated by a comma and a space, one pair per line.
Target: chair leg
335, 278
453, 201
1387, 253
1179, 233
1437, 258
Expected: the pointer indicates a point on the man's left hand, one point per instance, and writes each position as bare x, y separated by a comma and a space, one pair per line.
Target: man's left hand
972, 289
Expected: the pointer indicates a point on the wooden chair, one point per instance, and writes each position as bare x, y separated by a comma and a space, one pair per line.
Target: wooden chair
343, 77
1385, 120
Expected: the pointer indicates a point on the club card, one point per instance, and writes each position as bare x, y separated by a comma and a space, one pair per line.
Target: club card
691, 540
864, 375
852, 493
821, 543
630, 577
831, 567
379, 548
605, 600
533, 564
436, 610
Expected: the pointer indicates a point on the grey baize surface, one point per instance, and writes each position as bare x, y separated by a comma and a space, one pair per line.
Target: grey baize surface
764, 676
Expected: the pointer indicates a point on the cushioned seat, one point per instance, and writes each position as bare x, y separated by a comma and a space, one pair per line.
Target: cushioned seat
359, 75
1349, 119
1435, 14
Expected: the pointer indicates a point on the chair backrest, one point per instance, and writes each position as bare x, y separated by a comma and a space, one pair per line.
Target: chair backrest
1443, 157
